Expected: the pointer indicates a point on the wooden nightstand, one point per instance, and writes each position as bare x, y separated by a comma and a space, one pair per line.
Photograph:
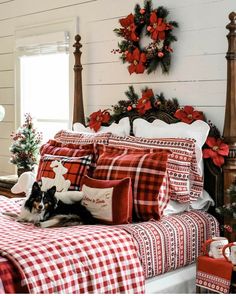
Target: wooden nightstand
6, 183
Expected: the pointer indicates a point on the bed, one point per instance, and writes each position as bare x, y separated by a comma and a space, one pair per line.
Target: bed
154, 256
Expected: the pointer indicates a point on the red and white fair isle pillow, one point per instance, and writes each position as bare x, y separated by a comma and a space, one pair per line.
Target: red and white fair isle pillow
109, 201
186, 184
64, 172
147, 172
72, 137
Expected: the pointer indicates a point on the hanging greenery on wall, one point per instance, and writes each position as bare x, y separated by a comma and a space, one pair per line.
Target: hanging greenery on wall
152, 23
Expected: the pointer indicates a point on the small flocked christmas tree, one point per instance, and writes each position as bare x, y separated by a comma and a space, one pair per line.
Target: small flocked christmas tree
25, 147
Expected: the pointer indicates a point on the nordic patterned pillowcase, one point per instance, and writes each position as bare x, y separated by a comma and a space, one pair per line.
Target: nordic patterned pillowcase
63, 171
147, 172
185, 182
72, 137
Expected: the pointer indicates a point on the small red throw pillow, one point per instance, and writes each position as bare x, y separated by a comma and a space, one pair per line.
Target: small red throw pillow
64, 172
108, 201
147, 172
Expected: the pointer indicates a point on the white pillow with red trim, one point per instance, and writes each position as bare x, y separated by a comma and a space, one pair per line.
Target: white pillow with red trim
198, 130
121, 129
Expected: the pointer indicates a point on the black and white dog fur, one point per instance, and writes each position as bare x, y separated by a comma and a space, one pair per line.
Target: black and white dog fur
45, 210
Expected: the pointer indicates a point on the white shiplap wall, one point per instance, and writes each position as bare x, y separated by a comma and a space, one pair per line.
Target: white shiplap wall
198, 72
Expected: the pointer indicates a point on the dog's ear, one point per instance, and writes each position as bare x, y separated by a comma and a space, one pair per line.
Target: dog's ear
52, 190
35, 187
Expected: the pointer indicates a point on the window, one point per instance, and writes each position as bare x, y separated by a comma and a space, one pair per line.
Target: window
44, 81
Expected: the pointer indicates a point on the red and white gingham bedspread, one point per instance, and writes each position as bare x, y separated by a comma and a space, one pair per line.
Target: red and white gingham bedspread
79, 259
173, 242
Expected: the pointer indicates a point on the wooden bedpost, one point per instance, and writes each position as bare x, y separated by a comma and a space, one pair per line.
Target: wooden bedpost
78, 112
230, 109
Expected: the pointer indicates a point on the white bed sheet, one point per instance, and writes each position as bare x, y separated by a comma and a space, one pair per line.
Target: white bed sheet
179, 281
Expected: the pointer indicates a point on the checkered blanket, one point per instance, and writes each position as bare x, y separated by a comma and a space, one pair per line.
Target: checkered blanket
79, 259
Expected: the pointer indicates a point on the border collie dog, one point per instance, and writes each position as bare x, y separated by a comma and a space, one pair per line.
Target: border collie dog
45, 210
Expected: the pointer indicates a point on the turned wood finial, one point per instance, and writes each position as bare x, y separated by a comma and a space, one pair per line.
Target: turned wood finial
77, 44
78, 112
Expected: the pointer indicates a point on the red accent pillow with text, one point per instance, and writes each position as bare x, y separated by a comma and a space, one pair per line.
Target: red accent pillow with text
109, 201
63, 172
147, 172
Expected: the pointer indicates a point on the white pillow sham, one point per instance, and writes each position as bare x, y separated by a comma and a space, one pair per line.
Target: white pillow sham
121, 129
198, 130
203, 203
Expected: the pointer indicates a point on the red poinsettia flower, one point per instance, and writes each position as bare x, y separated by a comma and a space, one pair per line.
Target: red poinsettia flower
157, 27
137, 61
218, 149
188, 114
129, 27
97, 118
144, 103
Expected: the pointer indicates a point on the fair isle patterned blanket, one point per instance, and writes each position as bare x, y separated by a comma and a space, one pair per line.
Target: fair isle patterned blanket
79, 259
173, 242
102, 259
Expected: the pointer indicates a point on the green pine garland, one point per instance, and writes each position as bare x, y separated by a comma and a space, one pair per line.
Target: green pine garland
128, 107
25, 147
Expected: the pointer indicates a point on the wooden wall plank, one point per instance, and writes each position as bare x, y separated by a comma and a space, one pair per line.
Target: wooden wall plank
24, 7
6, 62
5, 144
201, 93
7, 10
6, 44
6, 168
188, 45
6, 128
185, 69
7, 79
7, 95
7, 27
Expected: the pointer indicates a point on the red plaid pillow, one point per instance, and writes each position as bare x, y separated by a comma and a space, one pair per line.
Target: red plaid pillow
53, 147
185, 182
146, 170
63, 171
109, 201
65, 136
57, 148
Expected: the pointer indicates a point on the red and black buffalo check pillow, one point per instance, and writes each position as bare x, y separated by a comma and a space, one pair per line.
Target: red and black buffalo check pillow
76, 167
53, 147
186, 184
147, 172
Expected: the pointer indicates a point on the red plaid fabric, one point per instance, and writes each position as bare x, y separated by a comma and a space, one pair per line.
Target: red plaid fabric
65, 136
78, 259
76, 167
10, 281
57, 148
185, 182
173, 242
146, 170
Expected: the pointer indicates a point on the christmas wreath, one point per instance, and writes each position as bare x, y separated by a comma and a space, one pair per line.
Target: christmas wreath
152, 23
214, 148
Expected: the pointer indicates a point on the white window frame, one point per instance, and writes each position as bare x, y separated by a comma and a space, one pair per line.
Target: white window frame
66, 25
